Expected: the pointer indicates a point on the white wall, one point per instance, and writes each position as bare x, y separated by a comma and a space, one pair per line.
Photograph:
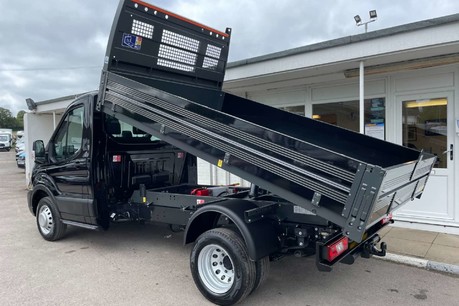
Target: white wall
212, 175
36, 126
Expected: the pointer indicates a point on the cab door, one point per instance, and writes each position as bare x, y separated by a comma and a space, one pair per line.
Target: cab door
69, 164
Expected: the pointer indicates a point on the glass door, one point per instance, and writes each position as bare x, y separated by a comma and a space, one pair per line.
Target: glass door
425, 122
424, 127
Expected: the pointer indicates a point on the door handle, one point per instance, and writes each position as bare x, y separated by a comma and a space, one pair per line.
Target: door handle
450, 151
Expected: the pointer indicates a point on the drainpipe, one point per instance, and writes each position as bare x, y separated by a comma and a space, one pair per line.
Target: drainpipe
54, 120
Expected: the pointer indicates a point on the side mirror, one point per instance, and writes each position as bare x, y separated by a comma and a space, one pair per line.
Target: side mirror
39, 151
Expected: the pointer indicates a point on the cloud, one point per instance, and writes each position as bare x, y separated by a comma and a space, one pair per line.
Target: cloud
55, 48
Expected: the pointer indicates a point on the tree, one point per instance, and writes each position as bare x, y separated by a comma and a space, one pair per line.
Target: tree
6, 119
20, 115
20, 119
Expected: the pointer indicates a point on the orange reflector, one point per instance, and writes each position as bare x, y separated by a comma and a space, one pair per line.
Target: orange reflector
337, 248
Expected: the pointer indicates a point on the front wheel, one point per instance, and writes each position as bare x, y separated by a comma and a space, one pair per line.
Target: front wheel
221, 267
49, 222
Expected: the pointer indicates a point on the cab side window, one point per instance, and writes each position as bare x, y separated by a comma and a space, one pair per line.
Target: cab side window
69, 137
125, 133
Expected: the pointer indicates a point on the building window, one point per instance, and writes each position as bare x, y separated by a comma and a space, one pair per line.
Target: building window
346, 115
297, 109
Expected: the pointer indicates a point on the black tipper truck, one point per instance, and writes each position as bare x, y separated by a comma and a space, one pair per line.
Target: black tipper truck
128, 152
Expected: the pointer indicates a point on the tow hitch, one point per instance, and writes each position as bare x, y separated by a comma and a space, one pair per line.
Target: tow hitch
370, 248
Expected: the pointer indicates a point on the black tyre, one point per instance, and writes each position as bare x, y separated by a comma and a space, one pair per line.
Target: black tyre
49, 222
221, 267
262, 274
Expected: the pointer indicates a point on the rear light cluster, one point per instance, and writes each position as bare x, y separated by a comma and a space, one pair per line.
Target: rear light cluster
336, 248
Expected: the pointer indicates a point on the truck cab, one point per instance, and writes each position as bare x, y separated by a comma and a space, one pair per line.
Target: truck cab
94, 162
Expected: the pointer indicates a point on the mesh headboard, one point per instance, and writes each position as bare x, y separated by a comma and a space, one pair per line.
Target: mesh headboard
148, 43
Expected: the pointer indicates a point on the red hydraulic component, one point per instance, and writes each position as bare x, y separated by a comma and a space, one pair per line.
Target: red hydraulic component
217, 191
203, 192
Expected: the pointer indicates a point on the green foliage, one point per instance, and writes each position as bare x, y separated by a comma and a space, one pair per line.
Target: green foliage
9, 122
20, 116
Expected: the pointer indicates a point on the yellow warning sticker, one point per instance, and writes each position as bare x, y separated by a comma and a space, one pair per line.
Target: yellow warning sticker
220, 163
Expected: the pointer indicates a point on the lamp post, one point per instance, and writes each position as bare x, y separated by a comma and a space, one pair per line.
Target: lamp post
359, 22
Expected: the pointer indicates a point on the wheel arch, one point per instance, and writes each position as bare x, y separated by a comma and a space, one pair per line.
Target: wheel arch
39, 192
260, 237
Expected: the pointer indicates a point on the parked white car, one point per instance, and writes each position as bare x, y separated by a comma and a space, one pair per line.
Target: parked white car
20, 144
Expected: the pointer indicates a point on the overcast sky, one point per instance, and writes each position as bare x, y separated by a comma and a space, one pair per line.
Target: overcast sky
54, 48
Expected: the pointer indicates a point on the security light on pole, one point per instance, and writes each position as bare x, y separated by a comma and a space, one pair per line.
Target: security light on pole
359, 22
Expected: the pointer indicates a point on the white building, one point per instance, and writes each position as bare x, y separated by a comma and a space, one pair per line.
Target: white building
411, 92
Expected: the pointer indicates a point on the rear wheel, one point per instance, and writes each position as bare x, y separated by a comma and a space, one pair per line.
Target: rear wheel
49, 222
221, 267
